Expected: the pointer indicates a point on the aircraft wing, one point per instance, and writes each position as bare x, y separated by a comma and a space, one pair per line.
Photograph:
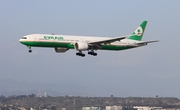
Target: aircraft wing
107, 41
144, 43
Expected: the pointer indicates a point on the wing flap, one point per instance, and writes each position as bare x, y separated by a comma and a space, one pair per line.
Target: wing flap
107, 41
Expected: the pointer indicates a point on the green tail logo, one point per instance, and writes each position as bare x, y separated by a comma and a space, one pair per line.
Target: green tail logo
138, 33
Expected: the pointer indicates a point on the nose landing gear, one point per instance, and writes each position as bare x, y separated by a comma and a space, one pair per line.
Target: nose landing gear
29, 49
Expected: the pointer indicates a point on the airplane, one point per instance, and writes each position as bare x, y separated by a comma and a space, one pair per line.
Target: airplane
62, 43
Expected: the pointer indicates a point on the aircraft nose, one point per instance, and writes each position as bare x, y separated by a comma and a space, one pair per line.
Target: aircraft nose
20, 40
23, 39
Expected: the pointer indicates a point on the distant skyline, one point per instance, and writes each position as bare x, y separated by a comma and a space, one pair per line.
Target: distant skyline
146, 71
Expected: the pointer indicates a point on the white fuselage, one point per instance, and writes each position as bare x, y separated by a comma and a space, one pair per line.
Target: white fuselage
73, 39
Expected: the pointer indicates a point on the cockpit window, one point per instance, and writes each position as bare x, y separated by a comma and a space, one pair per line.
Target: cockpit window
24, 37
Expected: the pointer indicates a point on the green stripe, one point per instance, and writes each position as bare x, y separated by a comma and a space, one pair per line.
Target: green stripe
49, 44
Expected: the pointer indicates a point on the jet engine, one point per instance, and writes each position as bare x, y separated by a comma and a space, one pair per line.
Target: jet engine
80, 46
60, 50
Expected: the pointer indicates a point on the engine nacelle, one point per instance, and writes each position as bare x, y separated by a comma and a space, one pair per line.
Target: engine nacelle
80, 46
60, 50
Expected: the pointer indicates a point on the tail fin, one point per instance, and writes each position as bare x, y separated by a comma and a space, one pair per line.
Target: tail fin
138, 33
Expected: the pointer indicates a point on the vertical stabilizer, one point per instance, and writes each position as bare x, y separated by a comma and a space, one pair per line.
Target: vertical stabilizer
138, 33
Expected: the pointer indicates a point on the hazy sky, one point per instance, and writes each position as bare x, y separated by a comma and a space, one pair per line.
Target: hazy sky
146, 71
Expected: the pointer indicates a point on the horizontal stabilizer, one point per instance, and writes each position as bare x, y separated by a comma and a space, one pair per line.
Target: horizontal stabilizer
144, 43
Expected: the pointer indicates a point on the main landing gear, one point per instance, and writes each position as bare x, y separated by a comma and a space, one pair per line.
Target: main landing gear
89, 52
80, 54
92, 53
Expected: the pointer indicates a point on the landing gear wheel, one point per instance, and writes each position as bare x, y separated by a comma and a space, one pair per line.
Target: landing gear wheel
80, 54
92, 53
30, 51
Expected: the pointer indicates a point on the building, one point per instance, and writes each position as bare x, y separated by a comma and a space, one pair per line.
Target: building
147, 108
113, 107
91, 108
